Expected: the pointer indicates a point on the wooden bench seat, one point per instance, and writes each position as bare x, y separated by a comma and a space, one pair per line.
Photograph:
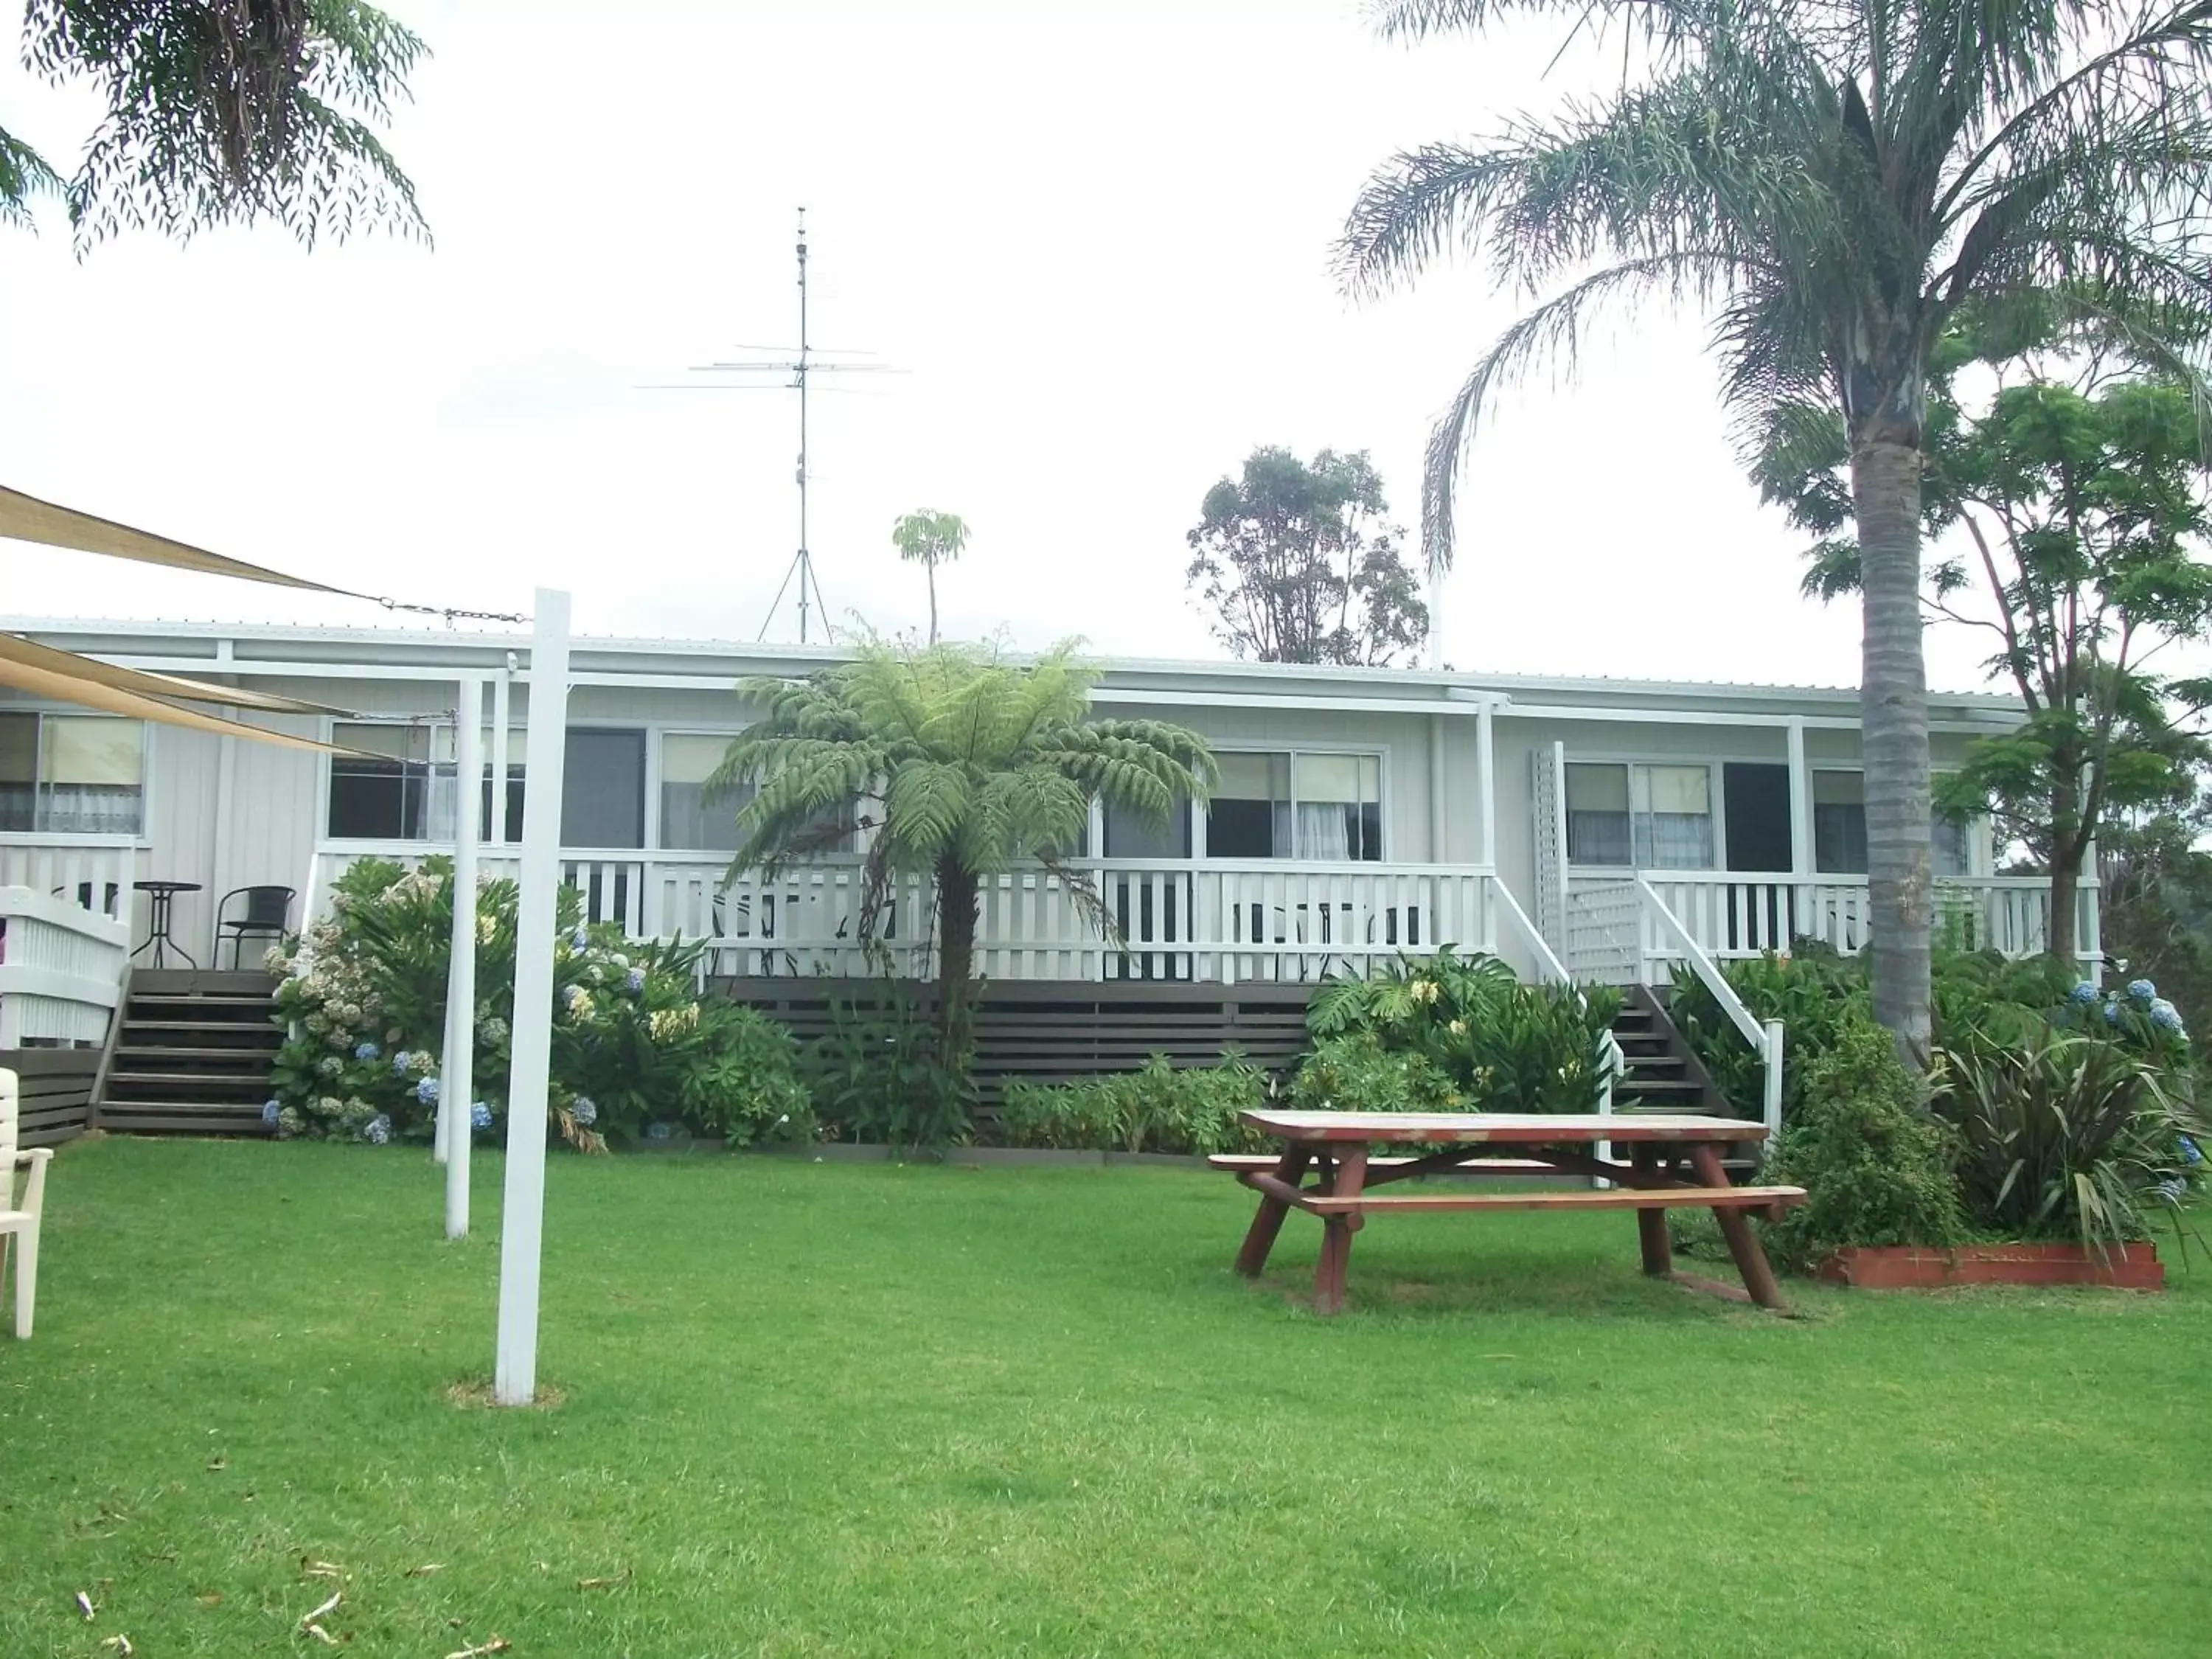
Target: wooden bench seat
1774, 1199
1238, 1162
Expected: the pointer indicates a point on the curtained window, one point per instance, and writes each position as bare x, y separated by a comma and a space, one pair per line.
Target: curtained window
1640, 817
1839, 833
1325, 808
72, 775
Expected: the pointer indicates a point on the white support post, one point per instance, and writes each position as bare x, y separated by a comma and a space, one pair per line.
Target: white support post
457, 1078
1439, 819
1435, 619
2089, 910
1800, 803
1486, 781
1773, 1101
515, 1376
495, 831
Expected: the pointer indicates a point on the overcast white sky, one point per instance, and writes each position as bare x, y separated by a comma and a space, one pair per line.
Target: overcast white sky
1095, 237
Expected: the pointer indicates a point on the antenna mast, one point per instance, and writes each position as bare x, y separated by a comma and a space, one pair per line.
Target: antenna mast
801, 370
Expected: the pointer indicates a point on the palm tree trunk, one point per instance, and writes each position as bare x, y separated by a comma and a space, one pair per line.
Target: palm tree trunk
956, 953
1894, 720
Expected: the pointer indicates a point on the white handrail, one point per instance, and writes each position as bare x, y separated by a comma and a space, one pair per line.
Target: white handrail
1708, 974
1766, 1039
1548, 960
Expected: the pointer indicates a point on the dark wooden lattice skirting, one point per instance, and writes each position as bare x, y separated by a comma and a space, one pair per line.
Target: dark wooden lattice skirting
54, 1090
1049, 1031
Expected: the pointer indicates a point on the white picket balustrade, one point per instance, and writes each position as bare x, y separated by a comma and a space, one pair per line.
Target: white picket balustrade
92, 871
61, 969
1731, 915
1088, 919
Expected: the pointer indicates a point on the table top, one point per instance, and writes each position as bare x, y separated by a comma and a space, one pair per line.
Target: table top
158, 886
1500, 1128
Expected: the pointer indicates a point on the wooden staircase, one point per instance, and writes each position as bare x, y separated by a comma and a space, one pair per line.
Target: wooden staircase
1663, 1075
191, 1054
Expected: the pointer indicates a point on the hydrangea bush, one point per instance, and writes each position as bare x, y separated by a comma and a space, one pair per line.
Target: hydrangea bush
634, 1045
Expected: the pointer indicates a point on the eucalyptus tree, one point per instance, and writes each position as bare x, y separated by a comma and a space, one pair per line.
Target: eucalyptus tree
221, 111
1828, 180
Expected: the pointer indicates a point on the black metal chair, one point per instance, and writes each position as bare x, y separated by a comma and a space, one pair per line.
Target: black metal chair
268, 914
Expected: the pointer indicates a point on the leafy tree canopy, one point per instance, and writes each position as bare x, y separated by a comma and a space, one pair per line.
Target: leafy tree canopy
222, 111
1297, 563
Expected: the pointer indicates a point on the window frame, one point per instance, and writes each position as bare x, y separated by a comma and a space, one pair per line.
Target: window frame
1201, 850
1715, 811
34, 836
1978, 860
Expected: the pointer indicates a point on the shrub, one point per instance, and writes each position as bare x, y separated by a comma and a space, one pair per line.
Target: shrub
1874, 1165
1500, 1045
1359, 1073
881, 1075
635, 1046
1156, 1109
1815, 996
2065, 1134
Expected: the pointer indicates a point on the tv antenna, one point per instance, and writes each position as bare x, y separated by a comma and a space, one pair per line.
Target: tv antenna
794, 372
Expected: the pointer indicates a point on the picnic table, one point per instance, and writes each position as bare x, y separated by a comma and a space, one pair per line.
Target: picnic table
1674, 1162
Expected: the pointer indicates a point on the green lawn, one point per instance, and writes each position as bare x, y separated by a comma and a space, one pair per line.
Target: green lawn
840, 1409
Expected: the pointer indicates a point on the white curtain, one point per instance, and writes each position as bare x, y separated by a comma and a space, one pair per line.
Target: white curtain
1325, 830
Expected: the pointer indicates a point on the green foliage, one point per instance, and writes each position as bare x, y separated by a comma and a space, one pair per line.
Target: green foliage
962, 764
1156, 1109
929, 538
1486, 1037
223, 113
1815, 995
2079, 480
1359, 1072
1874, 1165
2065, 1134
1296, 564
635, 1051
882, 1074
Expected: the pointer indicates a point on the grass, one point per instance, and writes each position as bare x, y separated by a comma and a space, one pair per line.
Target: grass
837, 1409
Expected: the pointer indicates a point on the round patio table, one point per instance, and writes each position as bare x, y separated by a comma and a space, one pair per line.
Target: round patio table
163, 894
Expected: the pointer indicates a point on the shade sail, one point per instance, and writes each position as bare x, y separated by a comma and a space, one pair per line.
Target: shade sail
93, 694
15, 648
27, 519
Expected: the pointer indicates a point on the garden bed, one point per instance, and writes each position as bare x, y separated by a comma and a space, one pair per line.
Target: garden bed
1914, 1267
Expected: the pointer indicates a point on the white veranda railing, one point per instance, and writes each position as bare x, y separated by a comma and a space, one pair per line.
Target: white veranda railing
1170, 919
61, 969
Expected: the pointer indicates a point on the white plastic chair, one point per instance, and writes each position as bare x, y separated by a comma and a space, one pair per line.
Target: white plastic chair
20, 1222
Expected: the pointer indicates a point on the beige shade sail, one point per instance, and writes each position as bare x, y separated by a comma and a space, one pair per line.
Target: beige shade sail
27, 519
19, 675
15, 648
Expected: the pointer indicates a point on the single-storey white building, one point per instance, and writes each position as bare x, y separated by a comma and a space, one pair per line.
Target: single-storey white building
1599, 826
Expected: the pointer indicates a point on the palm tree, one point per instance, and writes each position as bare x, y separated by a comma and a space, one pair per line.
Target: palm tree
1831, 180
929, 540
226, 111
958, 764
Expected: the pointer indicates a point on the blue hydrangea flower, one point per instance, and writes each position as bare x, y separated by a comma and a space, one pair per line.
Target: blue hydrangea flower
2173, 1189
366, 1051
2142, 990
2190, 1153
585, 1111
658, 1131
399, 1065
634, 982
2111, 1013
427, 1091
2165, 1015
268, 1110
578, 938
2083, 993
377, 1130
479, 1116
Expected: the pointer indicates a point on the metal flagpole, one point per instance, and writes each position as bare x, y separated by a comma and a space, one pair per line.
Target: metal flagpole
457, 1084
515, 1374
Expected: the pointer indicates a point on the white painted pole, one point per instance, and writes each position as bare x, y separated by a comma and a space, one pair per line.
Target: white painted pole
515, 1374
1486, 779
457, 1085
1436, 620
496, 832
